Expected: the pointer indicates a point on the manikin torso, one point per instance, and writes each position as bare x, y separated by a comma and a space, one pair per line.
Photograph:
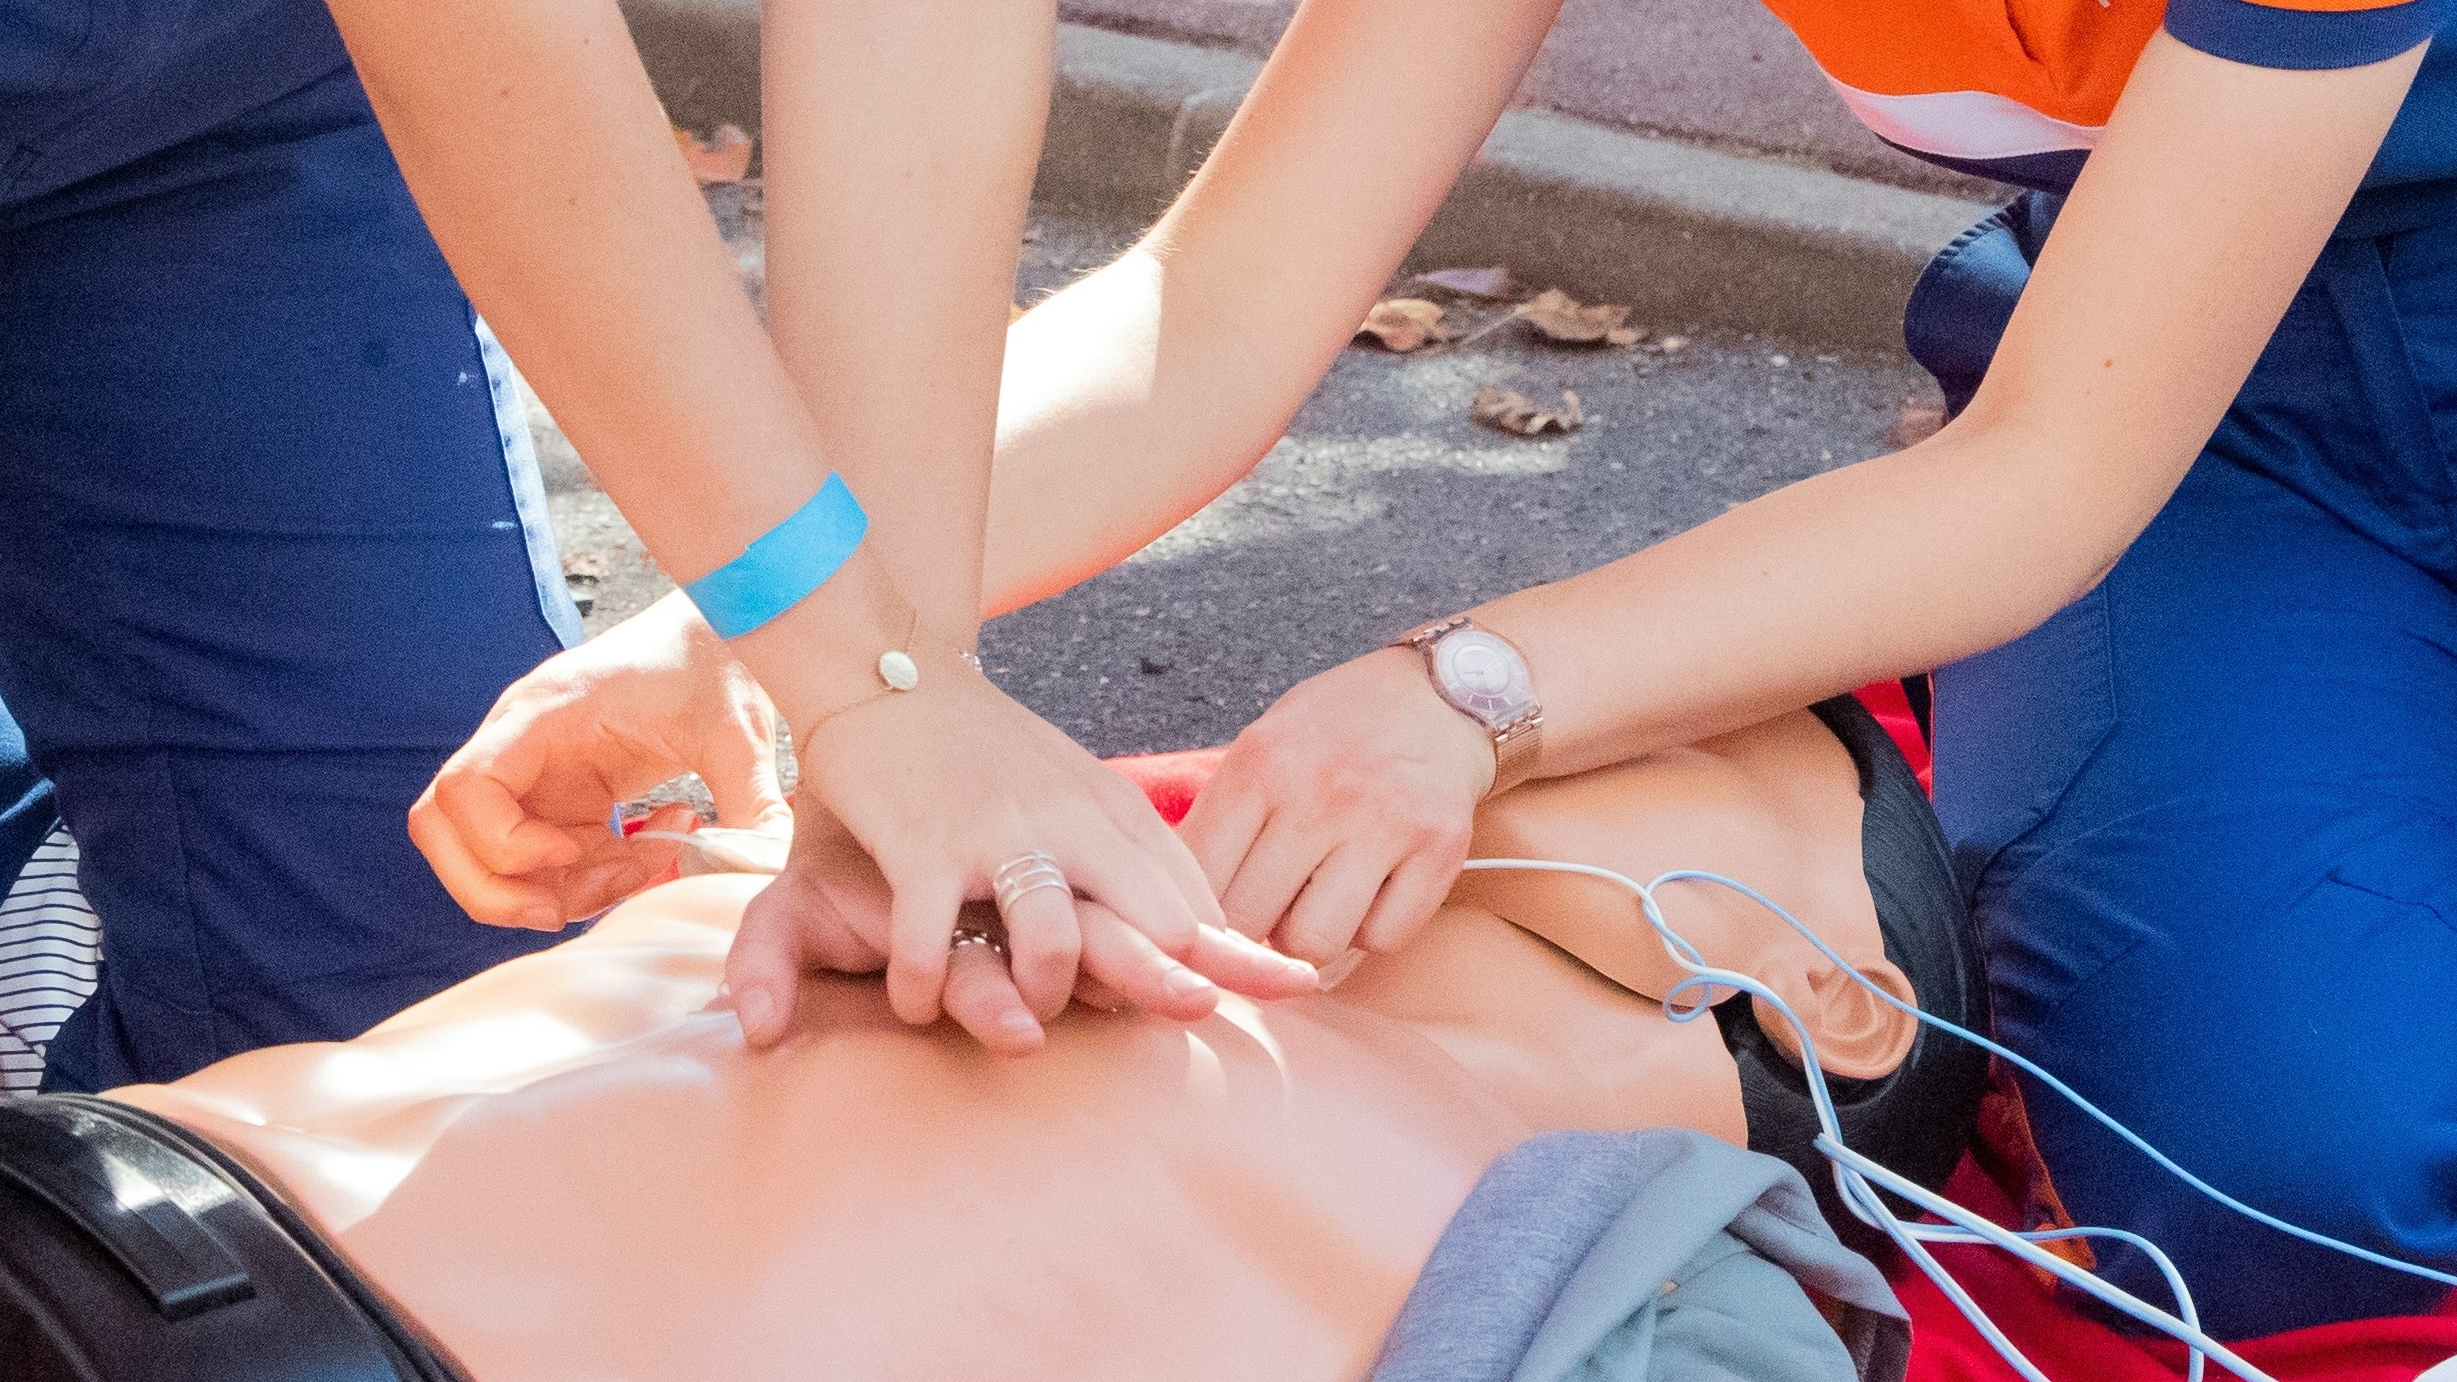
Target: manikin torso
571, 1168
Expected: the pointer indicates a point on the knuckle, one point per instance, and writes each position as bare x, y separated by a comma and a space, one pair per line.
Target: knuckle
1316, 950
425, 820
1040, 950
1119, 795
971, 990
1250, 921
451, 786
1445, 836
1172, 938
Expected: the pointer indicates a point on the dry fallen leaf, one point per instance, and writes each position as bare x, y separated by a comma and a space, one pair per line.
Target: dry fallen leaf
1915, 424
1559, 317
1493, 284
1404, 324
725, 157
1515, 412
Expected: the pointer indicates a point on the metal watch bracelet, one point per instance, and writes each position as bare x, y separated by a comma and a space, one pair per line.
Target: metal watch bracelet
1490, 684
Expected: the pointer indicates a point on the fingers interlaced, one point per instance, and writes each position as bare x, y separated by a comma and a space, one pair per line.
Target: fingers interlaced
1152, 839
921, 923
1140, 972
983, 998
1327, 913
1044, 948
1241, 964
1275, 870
1222, 825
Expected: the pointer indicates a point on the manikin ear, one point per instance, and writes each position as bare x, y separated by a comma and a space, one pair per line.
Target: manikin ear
1859, 1036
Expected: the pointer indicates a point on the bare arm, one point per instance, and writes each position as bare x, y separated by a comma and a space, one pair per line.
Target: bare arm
527, 130
2193, 224
1159, 381
1344, 811
902, 141
542, 162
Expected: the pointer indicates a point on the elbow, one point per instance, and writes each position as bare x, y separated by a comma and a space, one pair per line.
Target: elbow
2034, 580
2045, 516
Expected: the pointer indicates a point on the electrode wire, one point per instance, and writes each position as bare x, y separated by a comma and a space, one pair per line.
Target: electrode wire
1849, 1179
1854, 1173
690, 838
1655, 918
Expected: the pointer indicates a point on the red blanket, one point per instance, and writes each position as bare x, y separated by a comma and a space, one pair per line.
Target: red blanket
2070, 1348
2065, 1345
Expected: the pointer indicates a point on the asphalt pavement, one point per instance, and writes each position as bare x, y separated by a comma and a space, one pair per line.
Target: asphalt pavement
1383, 506
1723, 74
1715, 74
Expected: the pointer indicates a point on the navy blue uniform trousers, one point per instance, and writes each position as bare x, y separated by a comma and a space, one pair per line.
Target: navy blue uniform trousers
271, 534
2208, 813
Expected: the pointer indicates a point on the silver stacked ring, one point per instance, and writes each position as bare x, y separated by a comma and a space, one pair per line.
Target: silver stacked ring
1025, 873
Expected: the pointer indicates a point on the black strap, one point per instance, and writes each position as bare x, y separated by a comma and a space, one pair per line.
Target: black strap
123, 1191
423, 1360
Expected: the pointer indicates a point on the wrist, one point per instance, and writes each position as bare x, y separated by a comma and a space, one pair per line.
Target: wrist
1450, 737
1482, 678
823, 653
1523, 758
917, 672
676, 618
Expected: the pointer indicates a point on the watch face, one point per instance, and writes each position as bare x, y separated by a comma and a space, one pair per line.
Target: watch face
1483, 676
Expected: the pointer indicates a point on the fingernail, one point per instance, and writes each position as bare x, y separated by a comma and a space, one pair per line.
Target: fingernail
1018, 1024
541, 919
1334, 974
754, 1009
1181, 981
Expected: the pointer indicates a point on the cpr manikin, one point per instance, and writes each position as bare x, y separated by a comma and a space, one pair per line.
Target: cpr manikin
570, 1167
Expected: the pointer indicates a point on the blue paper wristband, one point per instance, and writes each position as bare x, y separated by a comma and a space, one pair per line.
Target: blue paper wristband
782, 565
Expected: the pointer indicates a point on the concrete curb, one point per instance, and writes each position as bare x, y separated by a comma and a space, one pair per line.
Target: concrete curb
1682, 234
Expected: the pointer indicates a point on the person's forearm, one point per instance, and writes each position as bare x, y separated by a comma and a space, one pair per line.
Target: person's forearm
1100, 448
2194, 224
1878, 570
902, 140
1136, 396
543, 164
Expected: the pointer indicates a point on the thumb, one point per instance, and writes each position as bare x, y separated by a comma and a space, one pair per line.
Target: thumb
739, 766
762, 970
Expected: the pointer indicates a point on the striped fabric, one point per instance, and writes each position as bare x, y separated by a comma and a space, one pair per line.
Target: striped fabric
2020, 89
50, 949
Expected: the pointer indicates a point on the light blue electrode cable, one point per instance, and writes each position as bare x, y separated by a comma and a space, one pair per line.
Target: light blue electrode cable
1857, 1178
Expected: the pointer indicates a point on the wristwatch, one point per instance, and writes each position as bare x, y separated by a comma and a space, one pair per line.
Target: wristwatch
1483, 677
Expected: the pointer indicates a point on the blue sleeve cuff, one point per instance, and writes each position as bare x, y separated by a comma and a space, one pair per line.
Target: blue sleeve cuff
2268, 36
